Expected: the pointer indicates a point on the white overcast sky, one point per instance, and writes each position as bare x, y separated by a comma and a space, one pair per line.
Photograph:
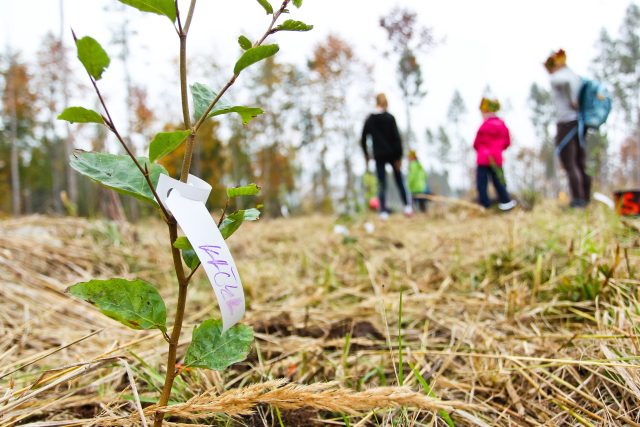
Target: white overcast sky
499, 43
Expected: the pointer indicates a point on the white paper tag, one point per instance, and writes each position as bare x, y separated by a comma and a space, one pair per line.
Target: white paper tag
186, 202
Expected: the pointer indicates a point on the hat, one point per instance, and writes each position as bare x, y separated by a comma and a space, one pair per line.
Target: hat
412, 153
556, 59
489, 105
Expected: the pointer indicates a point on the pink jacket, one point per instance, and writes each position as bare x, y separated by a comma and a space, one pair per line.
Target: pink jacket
492, 139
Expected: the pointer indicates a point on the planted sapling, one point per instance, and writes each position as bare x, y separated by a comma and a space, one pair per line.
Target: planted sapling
216, 344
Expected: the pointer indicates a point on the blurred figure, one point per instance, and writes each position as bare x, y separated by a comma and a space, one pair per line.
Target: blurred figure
565, 89
387, 148
491, 140
417, 181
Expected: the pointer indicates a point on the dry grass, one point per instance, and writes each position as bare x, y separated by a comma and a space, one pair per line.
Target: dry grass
514, 320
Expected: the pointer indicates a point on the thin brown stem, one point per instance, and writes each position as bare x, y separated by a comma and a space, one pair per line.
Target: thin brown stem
232, 80
174, 340
112, 127
187, 23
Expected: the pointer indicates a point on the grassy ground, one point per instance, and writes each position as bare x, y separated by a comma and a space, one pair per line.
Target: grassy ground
501, 320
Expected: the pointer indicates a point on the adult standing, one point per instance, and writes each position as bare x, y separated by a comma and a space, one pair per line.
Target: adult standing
570, 136
387, 149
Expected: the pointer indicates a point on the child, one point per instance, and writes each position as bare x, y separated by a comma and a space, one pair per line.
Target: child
492, 139
417, 181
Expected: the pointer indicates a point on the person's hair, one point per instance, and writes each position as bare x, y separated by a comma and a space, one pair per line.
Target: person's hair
489, 105
556, 59
381, 101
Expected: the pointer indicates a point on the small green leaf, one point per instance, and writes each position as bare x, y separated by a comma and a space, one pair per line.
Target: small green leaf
291, 25
203, 96
267, 6
212, 349
118, 172
165, 142
160, 7
232, 222
80, 115
92, 56
182, 243
253, 55
297, 3
188, 254
134, 303
244, 43
247, 190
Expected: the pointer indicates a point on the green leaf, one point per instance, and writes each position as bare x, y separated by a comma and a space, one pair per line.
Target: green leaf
267, 6
182, 243
92, 56
212, 349
247, 190
188, 254
203, 96
232, 222
134, 303
253, 55
291, 25
160, 7
244, 43
297, 3
118, 172
80, 115
165, 142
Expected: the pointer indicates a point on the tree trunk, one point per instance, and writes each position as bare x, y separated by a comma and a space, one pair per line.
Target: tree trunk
72, 182
15, 160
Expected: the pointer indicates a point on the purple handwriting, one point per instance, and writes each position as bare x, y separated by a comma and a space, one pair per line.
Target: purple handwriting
225, 279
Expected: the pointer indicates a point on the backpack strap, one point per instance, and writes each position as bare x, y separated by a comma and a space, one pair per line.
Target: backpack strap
579, 129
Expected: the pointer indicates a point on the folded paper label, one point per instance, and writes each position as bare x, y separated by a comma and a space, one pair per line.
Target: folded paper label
186, 202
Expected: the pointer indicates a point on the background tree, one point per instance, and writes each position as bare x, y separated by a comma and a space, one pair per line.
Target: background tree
408, 38
18, 118
455, 115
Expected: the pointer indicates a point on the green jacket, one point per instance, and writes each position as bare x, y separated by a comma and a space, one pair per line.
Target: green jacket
417, 178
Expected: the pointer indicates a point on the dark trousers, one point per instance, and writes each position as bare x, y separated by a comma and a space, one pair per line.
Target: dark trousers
574, 161
382, 182
483, 174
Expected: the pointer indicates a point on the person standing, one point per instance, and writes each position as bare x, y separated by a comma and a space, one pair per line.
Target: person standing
565, 89
387, 149
491, 140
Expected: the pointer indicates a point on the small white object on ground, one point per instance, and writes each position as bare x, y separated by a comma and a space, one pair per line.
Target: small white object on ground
369, 227
340, 229
604, 200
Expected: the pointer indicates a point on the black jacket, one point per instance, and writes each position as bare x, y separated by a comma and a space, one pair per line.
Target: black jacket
387, 145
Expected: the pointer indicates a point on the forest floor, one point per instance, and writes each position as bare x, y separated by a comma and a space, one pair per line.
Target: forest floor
450, 318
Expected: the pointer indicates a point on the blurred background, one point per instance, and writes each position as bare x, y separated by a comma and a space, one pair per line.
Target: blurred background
434, 60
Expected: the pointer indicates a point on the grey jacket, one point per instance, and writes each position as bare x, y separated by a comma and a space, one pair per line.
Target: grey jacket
565, 88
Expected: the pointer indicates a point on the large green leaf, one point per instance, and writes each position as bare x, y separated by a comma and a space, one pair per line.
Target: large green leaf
232, 222
253, 55
267, 6
247, 190
291, 25
297, 3
244, 43
134, 303
92, 56
203, 96
118, 172
160, 7
212, 349
165, 142
80, 115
